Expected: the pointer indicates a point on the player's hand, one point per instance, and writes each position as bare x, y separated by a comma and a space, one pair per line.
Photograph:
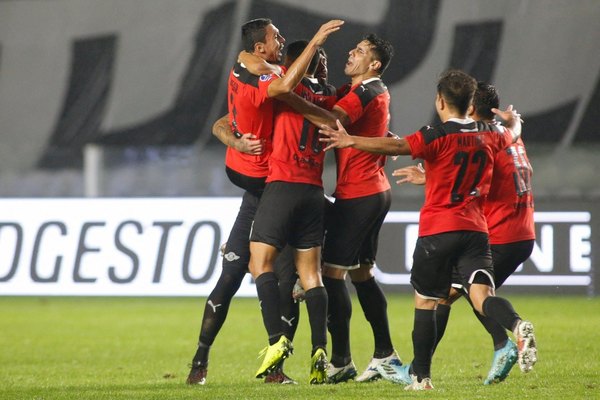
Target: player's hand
326, 29
414, 174
298, 292
249, 144
509, 115
335, 138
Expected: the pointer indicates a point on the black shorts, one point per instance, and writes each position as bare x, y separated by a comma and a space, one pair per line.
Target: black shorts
250, 184
506, 258
436, 256
352, 230
290, 213
237, 248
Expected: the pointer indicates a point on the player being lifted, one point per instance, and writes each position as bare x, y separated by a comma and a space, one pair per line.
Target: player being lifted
250, 101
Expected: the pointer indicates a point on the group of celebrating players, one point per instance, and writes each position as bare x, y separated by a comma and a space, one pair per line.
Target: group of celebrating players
475, 227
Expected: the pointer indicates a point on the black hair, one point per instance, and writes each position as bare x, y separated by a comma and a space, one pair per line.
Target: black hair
457, 88
293, 51
253, 32
485, 98
383, 50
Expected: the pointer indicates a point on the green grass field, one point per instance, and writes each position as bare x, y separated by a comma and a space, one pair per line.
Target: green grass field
139, 348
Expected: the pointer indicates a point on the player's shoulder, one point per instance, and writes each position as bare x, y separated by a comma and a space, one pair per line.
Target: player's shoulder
369, 89
494, 127
240, 73
267, 77
432, 132
317, 87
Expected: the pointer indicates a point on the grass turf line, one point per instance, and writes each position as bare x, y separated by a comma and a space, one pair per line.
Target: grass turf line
140, 348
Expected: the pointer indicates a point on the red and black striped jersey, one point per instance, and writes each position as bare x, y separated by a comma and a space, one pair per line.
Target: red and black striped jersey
509, 205
297, 154
360, 173
459, 157
250, 111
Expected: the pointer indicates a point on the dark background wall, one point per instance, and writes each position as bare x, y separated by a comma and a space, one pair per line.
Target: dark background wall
148, 78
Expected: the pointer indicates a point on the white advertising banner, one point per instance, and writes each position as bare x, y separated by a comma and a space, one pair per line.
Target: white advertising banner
170, 247
562, 254
114, 247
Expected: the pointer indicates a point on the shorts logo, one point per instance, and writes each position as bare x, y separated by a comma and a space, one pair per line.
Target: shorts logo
265, 78
231, 256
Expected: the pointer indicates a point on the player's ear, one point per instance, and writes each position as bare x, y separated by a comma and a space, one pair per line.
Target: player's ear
471, 110
375, 65
439, 102
259, 47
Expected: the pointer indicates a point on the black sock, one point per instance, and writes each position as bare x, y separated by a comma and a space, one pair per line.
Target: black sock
268, 295
500, 310
290, 309
216, 309
201, 357
496, 331
374, 305
423, 336
316, 305
338, 321
442, 313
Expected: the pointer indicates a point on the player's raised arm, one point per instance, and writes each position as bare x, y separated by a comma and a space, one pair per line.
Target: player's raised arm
512, 120
296, 71
246, 143
257, 65
315, 114
339, 138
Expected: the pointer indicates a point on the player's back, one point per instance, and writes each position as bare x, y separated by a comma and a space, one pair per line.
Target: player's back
509, 205
459, 157
297, 154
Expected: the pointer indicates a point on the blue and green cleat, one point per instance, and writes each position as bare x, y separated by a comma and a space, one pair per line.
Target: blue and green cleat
396, 372
503, 361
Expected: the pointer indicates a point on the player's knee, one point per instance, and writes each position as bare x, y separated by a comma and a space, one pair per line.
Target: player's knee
333, 272
363, 273
452, 297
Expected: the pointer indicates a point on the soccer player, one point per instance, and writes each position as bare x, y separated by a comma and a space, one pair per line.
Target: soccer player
322, 73
250, 101
509, 214
291, 212
453, 232
362, 200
